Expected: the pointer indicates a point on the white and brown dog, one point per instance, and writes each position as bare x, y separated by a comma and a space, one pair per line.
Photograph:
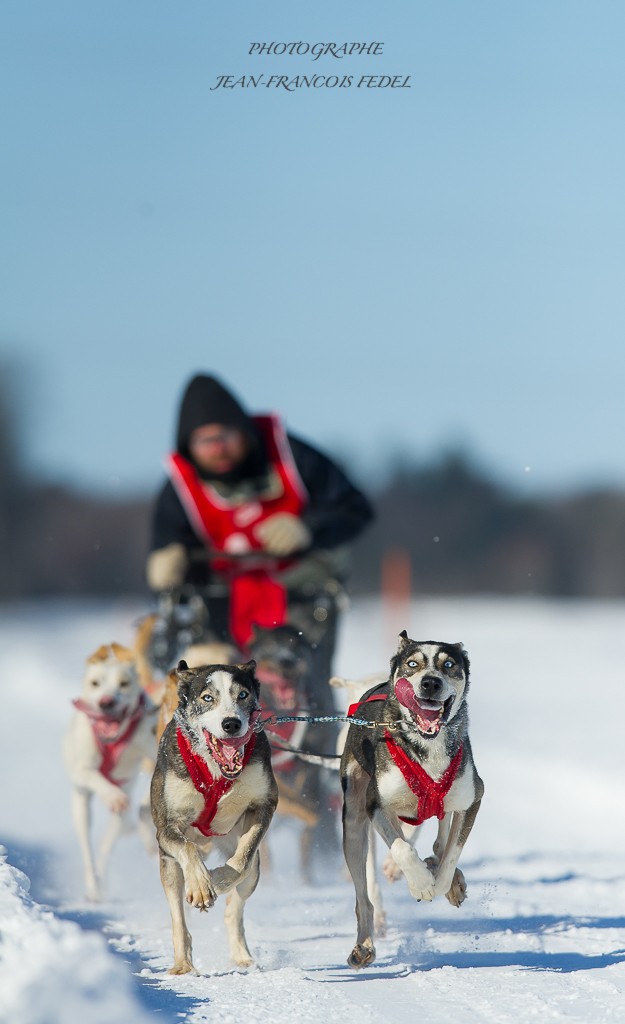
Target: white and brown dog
213, 787
414, 763
111, 737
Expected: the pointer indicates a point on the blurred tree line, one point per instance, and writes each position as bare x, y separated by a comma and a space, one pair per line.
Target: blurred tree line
460, 531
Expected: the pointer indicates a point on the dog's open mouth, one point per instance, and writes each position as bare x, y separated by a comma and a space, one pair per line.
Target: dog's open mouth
227, 753
281, 691
429, 715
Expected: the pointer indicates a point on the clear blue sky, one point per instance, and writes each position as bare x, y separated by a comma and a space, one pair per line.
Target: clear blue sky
391, 269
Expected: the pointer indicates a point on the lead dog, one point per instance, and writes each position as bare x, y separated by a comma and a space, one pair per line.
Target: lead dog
110, 736
213, 785
415, 763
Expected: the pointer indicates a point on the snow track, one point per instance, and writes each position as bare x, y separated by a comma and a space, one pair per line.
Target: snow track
541, 936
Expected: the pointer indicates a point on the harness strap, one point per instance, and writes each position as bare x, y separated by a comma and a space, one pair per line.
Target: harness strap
430, 793
111, 745
353, 708
211, 788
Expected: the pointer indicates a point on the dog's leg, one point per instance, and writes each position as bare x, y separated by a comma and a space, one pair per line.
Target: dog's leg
373, 887
305, 851
418, 876
146, 825
173, 884
266, 865
390, 870
233, 916
355, 848
199, 890
449, 879
81, 814
111, 834
232, 873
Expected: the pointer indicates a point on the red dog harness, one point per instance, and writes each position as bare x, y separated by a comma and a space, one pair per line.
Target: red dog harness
430, 794
211, 788
112, 737
255, 597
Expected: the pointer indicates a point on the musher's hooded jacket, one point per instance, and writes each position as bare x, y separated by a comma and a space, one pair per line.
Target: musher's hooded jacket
335, 511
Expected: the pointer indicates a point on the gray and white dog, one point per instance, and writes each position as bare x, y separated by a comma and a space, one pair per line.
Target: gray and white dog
213, 787
413, 764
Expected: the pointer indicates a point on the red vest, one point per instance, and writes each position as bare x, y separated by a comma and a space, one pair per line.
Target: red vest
255, 596
211, 788
430, 793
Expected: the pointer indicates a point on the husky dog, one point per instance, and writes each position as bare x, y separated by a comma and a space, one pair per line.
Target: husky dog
415, 763
213, 786
111, 735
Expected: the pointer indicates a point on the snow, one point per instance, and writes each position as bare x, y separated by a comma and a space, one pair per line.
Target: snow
541, 936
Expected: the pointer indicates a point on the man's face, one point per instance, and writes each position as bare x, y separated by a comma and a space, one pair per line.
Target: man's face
216, 448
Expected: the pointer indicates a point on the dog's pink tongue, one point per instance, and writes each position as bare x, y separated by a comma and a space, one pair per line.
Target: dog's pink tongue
427, 719
406, 696
229, 749
230, 753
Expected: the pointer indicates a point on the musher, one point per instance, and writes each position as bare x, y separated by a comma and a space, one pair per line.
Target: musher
272, 517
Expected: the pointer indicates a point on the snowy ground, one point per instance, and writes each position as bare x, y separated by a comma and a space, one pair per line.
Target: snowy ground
541, 936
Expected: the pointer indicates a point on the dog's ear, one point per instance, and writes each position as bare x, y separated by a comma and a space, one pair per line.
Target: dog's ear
184, 676
248, 666
404, 640
183, 692
465, 658
122, 653
103, 652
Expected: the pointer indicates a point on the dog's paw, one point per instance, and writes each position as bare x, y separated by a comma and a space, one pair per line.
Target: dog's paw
243, 960
116, 800
92, 892
379, 923
456, 893
421, 882
362, 955
182, 967
224, 879
390, 869
199, 891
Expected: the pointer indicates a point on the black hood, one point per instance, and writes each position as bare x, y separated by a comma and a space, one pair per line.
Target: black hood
206, 400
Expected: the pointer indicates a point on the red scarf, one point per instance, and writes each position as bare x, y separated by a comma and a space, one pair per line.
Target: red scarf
255, 597
430, 793
211, 788
112, 737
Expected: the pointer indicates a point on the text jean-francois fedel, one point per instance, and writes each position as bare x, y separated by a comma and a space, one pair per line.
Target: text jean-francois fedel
314, 78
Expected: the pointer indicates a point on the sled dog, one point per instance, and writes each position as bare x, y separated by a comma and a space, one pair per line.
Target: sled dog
110, 736
213, 787
414, 764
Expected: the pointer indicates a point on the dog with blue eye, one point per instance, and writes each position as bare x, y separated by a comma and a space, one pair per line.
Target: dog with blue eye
213, 788
414, 762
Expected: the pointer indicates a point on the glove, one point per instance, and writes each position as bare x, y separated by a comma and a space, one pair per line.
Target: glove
166, 567
283, 533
